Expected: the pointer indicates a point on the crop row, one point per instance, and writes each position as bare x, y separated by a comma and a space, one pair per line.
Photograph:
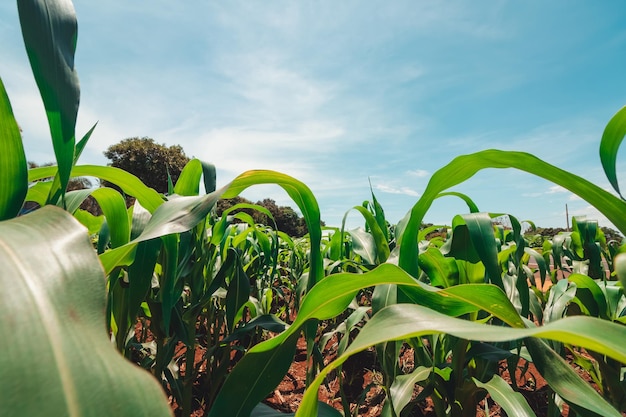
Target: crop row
213, 307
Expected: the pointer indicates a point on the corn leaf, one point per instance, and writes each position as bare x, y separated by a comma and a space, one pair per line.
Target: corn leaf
329, 298
55, 293
189, 180
512, 402
612, 138
304, 199
464, 167
405, 321
50, 30
127, 182
13, 171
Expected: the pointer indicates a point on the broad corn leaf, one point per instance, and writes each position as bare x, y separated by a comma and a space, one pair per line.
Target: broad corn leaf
13, 173
405, 321
49, 29
464, 167
329, 298
612, 138
512, 402
53, 338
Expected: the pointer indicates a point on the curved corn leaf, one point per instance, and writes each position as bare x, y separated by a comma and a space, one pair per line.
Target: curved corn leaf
612, 138
50, 30
304, 199
113, 207
127, 182
405, 321
464, 167
210, 177
591, 295
188, 182
55, 293
513, 403
329, 298
473, 208
380, 240
13, 171
364, 245
442, 271
403, 386
472, 240
563, 380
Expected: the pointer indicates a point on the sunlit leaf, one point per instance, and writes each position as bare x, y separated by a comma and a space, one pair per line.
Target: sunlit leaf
55, 293
49, 29
13, 171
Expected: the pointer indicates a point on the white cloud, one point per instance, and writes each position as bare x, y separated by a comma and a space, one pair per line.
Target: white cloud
556, 189
397, 190
419, 173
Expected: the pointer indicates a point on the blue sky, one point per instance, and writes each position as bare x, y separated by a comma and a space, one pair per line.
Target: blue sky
336, 93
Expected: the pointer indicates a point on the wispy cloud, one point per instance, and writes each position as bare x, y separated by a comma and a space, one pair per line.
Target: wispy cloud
419, 173
397, 190
556, 189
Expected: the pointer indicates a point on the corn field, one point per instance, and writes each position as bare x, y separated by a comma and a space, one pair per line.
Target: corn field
114, 314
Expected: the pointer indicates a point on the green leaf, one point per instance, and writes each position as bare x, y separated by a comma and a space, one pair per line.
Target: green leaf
405, 321
402, 387
512, 402
127, 182
596, 301
443, 271
378, 235
473, 208
13, 170
612, 138
363, 244
238, 292
38, 193
54, 299
113, 207
464, 167
263, 410
304, 199
80, 146
564, 380
49, 29
91, 222
210, 177
188, 182
249, 383
329, 298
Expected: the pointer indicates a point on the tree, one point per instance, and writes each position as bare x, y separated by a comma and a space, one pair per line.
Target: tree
149, 161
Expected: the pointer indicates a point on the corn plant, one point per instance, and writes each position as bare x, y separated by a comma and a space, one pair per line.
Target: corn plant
55, 286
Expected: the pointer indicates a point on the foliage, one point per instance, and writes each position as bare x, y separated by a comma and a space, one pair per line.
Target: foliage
541, 234
149, 161
214, 305
284, 218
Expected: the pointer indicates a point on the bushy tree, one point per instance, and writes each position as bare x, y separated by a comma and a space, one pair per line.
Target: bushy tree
148, 160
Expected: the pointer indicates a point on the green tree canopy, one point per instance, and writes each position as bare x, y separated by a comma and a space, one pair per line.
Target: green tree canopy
148, 160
